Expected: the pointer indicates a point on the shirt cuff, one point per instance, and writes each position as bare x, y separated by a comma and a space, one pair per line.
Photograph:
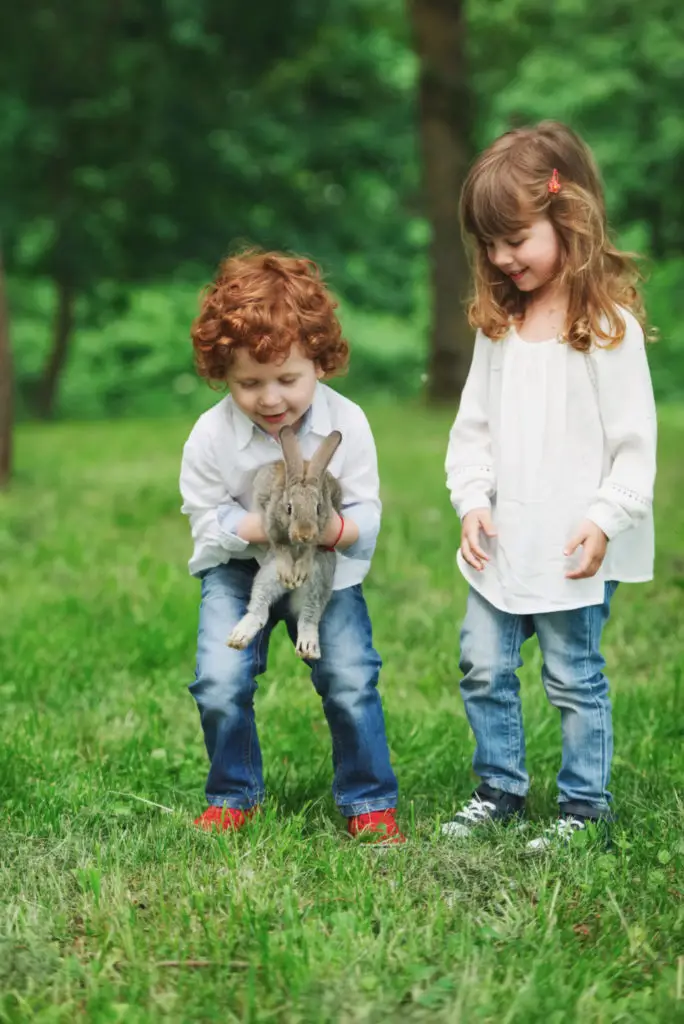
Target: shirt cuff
610, 518
229, 518
368, 522
473, 501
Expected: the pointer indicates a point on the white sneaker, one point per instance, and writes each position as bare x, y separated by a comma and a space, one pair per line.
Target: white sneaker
481, 809
560, 832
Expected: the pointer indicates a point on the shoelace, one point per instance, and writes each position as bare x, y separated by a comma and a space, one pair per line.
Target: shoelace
564, 827
476, 810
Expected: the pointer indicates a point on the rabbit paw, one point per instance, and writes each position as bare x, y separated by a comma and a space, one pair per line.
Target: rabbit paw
307, 645
300, 573
294, 576
287, 579
245, 631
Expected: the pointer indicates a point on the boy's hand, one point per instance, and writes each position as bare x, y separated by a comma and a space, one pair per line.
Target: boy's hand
252, 530
474, 521
594, 544
350, 533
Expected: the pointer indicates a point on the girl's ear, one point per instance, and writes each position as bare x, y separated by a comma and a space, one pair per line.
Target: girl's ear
320, 372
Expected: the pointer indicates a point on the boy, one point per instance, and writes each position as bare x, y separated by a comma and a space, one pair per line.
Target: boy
268, 330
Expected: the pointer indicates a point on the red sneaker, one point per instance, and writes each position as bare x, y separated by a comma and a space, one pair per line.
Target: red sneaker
229, 819
377, 827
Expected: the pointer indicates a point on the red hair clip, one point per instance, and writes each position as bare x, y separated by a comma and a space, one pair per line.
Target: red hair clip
554, 183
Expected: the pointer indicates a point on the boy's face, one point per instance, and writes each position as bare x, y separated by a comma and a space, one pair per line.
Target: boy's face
275, 394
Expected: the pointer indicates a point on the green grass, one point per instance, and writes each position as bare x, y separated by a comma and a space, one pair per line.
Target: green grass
112, 908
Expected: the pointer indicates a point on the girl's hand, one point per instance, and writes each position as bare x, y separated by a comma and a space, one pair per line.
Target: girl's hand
594, 543
474, 521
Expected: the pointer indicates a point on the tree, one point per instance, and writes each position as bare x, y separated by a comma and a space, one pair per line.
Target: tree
137, 137
444, 104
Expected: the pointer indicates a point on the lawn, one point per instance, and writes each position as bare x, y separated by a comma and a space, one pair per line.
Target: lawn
112, 908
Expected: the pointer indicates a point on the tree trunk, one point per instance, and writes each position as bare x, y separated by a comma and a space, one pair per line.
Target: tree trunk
6, 386
444, 111
46, 398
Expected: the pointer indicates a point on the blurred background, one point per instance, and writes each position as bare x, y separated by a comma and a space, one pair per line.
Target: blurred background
141, 141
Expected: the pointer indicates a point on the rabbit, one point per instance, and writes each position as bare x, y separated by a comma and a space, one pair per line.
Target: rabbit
296, 499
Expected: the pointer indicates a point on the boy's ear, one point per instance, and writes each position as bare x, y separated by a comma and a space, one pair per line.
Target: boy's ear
320, 372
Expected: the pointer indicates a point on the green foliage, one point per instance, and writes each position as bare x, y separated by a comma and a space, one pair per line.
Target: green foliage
112, 908
615, 72
138, 360
136, 125
139, 142
665, 294
139, 138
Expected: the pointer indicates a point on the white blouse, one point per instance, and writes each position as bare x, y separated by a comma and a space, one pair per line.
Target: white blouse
547, 436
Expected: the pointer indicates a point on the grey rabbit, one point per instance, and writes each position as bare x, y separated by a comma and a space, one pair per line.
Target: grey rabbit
296, 499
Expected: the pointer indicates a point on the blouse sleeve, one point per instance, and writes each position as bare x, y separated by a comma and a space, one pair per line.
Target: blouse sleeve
469, 461
628, 415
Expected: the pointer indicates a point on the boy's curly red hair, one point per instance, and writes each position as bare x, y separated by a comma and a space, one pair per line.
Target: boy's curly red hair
266, 302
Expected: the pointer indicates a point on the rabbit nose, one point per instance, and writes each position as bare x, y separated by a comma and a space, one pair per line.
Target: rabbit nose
304, 533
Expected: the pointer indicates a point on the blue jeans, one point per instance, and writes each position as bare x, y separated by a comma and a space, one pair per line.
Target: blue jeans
572, 674
345, 678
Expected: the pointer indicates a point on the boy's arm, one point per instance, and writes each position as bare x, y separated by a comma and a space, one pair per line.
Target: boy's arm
469, 461
628, 417
219, 524
361, 506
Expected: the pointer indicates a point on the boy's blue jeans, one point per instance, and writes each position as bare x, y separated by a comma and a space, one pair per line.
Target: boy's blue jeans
345, 678
572, 673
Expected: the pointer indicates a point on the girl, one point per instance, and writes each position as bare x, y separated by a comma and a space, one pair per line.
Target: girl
551, 464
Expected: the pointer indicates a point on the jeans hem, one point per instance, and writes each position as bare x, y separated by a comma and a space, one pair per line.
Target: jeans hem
595, 812
235, 802
366, 807
506, 786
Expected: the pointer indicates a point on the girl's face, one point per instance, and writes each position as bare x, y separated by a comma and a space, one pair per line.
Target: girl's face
530, 257
275, 394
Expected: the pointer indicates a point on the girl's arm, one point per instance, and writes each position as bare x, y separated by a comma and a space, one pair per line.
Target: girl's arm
628, 416
469, 461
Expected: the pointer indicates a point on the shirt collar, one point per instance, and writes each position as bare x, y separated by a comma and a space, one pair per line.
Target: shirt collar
318, 414
316, 419
244, 427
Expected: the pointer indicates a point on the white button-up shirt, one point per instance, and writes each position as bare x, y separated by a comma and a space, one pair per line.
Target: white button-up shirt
548, 436
223, 453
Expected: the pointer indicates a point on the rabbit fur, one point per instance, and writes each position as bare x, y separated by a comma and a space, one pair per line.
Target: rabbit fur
296, 499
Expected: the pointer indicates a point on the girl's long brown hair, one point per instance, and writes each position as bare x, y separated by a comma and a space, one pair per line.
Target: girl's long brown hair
508, 186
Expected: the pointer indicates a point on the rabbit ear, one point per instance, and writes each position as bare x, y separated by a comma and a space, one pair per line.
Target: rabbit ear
294, 464
323, 455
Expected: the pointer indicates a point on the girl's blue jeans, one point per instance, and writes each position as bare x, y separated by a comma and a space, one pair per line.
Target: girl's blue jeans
345, 678
572, 673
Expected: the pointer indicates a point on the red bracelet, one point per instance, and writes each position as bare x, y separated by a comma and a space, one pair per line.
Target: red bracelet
338, 538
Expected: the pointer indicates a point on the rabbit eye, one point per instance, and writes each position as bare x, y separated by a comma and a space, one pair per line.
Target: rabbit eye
318, 509
289, 509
